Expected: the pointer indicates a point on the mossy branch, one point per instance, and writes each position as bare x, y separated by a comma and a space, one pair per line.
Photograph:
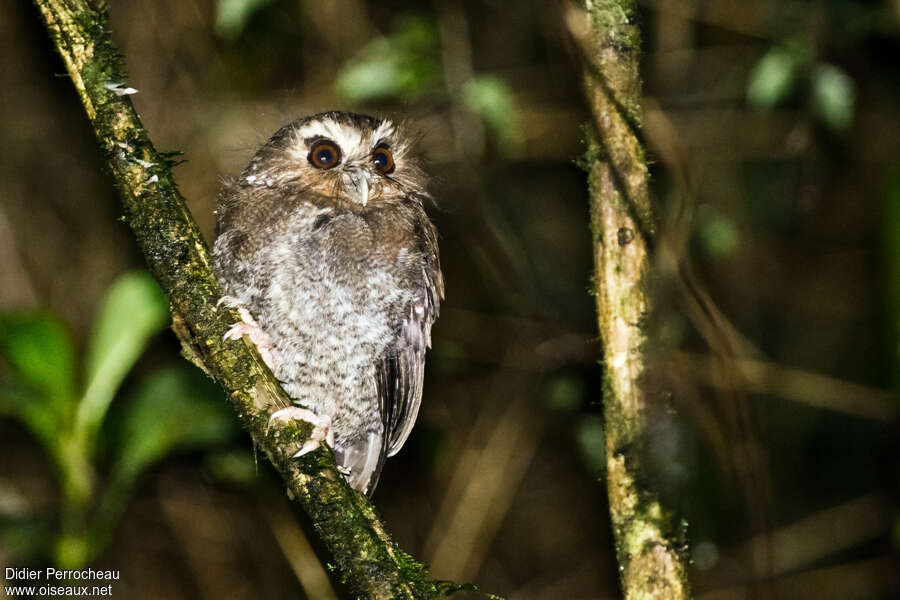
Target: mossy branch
368, 561
650, 549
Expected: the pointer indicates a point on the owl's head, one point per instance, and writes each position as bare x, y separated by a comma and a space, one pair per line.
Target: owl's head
355, 160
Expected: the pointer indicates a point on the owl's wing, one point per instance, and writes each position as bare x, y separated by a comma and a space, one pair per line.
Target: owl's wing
400, 373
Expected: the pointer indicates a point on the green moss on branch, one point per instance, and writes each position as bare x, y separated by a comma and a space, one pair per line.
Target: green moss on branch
369, 562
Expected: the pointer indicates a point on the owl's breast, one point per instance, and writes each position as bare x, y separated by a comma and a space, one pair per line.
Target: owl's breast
331, 295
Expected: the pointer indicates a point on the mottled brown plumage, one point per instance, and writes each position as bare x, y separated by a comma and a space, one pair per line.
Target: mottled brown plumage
324, 242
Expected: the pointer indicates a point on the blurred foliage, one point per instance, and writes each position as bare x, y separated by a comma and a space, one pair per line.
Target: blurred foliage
493, 100
173, 408
788, 69
566, 392
404, 64
775, 75
232, 15
834, 96
718, 233
232, 465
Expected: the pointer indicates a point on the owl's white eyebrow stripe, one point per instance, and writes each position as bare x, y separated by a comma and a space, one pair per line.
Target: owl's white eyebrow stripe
317, 138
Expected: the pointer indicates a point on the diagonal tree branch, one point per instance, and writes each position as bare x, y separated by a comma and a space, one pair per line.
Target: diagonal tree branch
369, 562
650, 549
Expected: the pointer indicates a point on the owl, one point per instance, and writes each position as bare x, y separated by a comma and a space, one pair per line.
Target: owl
324, 247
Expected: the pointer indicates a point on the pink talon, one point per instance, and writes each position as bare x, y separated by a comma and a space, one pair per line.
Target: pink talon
249, 327
321, 427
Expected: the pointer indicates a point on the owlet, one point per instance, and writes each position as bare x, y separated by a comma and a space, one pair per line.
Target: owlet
325, 248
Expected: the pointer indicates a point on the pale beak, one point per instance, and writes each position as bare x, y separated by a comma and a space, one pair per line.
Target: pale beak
358, 182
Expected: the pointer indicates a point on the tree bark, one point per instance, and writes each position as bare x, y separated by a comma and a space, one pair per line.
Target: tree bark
649, 548
369, 563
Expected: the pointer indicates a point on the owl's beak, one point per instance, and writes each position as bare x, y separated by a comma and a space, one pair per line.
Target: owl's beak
358, 184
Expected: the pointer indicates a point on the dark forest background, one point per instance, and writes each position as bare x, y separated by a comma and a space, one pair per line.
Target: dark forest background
774, 131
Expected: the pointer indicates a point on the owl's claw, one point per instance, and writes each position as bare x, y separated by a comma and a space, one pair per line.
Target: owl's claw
321, 427
249, 327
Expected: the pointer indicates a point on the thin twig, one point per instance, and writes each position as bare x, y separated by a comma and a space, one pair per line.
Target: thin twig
798, 385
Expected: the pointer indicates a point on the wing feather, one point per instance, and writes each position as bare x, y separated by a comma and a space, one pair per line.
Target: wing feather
401, 371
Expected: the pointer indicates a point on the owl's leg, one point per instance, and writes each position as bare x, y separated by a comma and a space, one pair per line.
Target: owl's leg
248, 326
321, 426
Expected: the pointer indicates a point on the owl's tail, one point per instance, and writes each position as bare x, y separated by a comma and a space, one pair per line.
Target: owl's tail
362, 459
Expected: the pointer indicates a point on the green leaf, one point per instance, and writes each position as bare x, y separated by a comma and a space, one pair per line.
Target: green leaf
776, 73
39, 351
135, 309
402, 65
493, 100
834, 96
42, 418
719, 235
173, 409
232, 15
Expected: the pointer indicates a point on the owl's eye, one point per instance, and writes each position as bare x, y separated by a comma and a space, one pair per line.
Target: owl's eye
383, 160
324, 154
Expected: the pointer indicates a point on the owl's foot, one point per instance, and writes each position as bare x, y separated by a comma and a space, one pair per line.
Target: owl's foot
249, 327
321, 427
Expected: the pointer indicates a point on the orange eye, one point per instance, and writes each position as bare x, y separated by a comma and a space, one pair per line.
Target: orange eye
383, 160
324, 154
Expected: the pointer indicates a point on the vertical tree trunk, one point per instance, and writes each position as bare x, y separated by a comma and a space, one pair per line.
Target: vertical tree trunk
650, 553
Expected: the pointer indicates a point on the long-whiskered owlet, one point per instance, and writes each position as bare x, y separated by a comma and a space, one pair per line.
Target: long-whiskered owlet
325, 248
